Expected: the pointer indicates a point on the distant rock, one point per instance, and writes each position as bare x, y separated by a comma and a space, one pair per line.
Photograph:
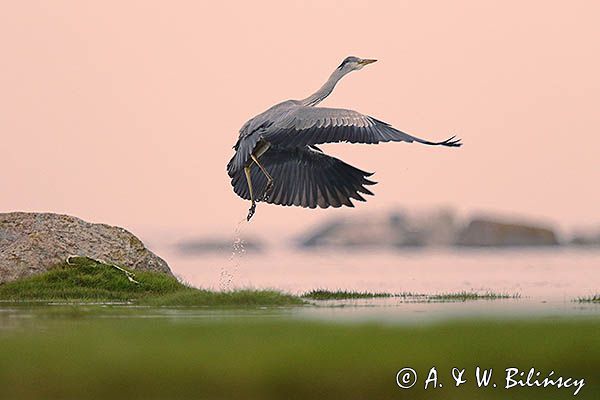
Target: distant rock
586, 239
362, 233
31, 243
490, 233
392, 230
195, 247
425, 229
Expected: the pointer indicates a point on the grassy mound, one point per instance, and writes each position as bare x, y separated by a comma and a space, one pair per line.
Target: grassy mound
85, 279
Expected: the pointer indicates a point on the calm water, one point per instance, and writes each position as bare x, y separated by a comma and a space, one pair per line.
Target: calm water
551, 274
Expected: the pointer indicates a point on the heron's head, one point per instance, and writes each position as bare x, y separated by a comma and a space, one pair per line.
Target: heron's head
352, 63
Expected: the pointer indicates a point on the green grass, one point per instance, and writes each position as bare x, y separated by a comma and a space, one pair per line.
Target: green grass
589, 299
89, 280
278, 358
321, 294
466, 296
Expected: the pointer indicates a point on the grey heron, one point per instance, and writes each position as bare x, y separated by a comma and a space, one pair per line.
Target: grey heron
277, 160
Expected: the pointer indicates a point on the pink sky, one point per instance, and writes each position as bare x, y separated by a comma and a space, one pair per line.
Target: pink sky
125, 112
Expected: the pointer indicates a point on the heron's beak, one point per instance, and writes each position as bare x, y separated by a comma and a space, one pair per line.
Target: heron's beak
367, 61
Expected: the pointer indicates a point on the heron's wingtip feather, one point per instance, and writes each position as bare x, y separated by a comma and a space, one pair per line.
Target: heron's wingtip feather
452, 142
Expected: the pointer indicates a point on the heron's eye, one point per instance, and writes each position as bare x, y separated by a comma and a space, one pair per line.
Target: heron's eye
346, 61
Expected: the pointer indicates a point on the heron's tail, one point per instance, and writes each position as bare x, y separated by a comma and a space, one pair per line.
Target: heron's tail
306, 178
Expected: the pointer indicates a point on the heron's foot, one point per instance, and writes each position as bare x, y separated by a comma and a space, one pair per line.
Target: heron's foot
251, 211
268, 189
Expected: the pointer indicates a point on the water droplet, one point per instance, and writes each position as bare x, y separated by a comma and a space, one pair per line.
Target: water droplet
230, 270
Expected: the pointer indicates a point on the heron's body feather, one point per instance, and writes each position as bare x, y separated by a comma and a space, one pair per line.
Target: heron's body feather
306, 178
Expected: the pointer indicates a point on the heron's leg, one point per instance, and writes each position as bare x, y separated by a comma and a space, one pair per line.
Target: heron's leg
269, 187
249, 180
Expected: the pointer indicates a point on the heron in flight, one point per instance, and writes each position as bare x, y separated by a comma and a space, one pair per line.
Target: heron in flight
277, 160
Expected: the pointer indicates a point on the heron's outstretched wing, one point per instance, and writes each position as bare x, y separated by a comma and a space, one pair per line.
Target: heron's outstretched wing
306, 178
305, 126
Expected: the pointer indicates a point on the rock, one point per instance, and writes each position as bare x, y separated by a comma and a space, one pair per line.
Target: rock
345, 233
392, 230
31, 243
485, 232
363, 232
586, 239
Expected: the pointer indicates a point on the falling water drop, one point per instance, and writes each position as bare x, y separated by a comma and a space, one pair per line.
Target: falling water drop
230, 270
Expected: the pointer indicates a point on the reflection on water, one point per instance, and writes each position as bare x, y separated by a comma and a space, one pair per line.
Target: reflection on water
390, 310
555, 274
399, 311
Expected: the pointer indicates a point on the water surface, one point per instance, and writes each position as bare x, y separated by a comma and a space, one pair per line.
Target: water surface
547, 275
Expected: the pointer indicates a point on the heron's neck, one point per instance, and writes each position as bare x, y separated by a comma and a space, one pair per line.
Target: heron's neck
325, 90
